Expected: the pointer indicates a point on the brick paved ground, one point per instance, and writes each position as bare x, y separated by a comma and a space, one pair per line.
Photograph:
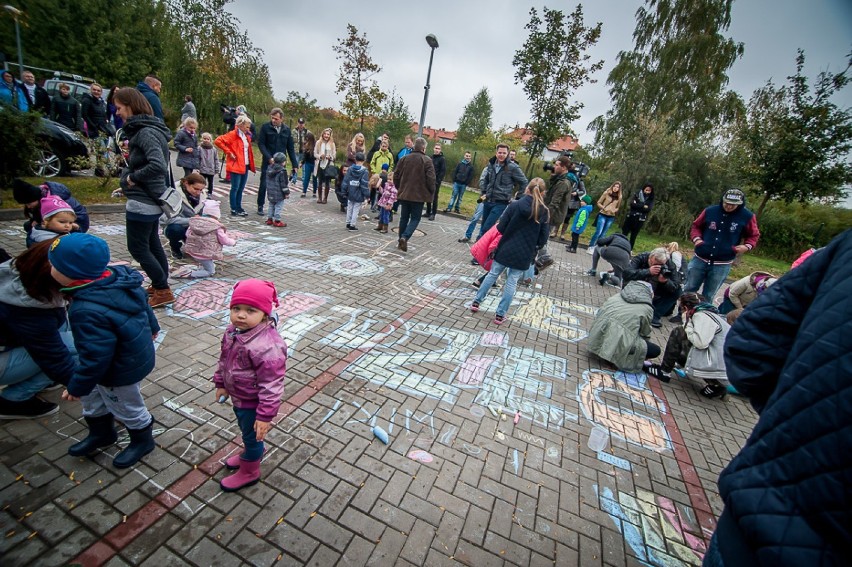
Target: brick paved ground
382, 338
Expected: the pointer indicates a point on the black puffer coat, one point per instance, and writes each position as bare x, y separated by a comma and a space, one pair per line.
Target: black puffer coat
788, 493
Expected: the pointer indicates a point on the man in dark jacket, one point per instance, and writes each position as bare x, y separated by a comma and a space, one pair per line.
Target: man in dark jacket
65, 109
414, 177
558, 192
497, 184
36, 95
274, 137
94, 112
787, 496
150, 88
656, 268
440, 165
461, 179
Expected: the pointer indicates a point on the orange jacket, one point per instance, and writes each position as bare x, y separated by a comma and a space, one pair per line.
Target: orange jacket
232, 144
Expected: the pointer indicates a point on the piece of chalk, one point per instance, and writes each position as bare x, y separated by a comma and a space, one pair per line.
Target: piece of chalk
493, 411
222, 399
517, 417
380, 434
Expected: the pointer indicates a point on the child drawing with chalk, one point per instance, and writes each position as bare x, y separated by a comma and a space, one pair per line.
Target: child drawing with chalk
251, 371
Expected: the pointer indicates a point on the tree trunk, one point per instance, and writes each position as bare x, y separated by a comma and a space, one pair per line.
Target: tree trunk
762, 206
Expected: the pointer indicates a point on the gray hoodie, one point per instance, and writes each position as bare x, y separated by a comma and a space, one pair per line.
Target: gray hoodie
147, 165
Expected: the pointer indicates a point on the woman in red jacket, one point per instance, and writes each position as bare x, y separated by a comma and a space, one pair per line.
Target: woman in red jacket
239, 159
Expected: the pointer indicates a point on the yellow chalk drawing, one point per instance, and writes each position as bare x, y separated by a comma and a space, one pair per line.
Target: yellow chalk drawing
547, 314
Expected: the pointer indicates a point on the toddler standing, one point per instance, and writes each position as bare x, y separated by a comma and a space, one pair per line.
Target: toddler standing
277, 189
208, 161
57, 219
356, 184
578, 224
204, 239
385, 204
251, 372
114, 329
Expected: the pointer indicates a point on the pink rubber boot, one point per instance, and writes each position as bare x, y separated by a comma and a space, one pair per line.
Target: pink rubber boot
233, 462
247, 475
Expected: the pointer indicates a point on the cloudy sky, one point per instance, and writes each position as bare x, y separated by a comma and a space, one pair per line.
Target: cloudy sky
479, 38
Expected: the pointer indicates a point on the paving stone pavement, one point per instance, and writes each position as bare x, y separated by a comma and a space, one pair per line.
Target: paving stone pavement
380, 337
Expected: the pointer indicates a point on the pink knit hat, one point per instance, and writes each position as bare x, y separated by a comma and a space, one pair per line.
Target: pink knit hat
211, 209
52, 204
257, 293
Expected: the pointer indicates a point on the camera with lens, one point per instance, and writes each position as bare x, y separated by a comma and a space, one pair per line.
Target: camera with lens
225, 109
579, 168
666, 272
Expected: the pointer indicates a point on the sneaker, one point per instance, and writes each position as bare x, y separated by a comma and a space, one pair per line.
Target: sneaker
304, 195
655, 322
676, 319
177, 254
244, 214
474, 284
235, 213
182, 272
260, 211
713, 391
269, 222
591, 250
279, 224
474, 262
604, 277
474, 307
431, 217
458, 212
593, 273
657, 372
33, 408
352, 227
465, 239
498, 319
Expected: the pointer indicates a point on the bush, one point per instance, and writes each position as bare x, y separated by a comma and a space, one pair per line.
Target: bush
18, 145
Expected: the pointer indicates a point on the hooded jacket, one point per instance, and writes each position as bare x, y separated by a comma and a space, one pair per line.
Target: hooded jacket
640, 206
381, 157
208, 160
720, 232
66, 110
277, 183
622, 325
356, 184
706, 332
94, 112
14, 95
113, 329
231, 143
616, 240
153, 99
205, 237
498, 187
34, 325
147, 164
251, 368
463, 173
744, 290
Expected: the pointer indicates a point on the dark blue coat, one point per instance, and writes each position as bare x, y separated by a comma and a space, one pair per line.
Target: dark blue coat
63, 193
788, 493
152, 97
522, 236
270, 142
113, 328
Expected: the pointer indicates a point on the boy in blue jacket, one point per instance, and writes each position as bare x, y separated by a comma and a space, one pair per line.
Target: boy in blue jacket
356, 186
578, 225
114, 329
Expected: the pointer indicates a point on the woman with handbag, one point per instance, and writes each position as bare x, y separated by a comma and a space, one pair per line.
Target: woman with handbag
325, 152
239, 160
145, 182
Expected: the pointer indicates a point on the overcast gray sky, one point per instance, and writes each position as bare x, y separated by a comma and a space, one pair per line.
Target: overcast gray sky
479, 38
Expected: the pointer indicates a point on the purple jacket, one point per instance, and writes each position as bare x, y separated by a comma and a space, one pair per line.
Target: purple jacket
251, 369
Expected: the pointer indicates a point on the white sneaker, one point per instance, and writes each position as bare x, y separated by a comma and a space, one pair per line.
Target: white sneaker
591, 250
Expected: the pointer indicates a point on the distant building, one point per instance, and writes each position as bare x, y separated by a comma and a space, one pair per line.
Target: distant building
566, 143
441, 135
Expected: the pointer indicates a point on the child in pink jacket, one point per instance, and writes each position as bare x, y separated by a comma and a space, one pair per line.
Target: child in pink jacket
251, 372
204, 240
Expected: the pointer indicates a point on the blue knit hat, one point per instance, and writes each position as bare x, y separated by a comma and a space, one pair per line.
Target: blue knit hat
79, 256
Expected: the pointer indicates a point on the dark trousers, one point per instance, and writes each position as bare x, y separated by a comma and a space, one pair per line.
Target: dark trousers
409, 218
176, 234
187, 171
261, 191
253, 447
631, 228
653, 349
664, 303
432, 208
677, 349
209, 179
143, 243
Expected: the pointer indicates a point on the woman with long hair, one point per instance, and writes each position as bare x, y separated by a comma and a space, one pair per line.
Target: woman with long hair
143, 182
608, 203
324, 152
308, 164
239, 160
358, 144
524, 229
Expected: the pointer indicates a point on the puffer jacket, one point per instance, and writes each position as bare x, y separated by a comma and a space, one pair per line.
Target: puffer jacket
388, 197
251, 369
522, 236
113, 329
148, 162
205, 237
232, 144
616, 240
183, 142
208, 160
706, 332
622, 325
498, 187
381, 157
33, 324
277, 183
484, 248
414, 178
786, 494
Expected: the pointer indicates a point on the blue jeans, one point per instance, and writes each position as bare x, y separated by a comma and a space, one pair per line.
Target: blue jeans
508, 290
603, 224
711, 275
253, 447
409, 217
238, 183
275, 210
22, 376
490, 215
307, 174
726, 306
477, 214
456, 199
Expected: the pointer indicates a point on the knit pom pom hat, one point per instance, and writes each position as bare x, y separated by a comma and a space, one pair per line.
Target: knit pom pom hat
260, 294
52, 205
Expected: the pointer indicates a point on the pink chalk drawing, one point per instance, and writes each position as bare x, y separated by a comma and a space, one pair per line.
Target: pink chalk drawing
294, 303
421, 456
200, 299
473, 369
240, 235
494, 339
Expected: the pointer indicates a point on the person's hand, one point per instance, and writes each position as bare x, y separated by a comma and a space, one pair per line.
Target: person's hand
189, 150
221, 393
271, 161
68, 397
154, 336
655, 269
232, 156
130, 182
75, 226
662, 279
261, 428
698, 242
645, 207
741, 249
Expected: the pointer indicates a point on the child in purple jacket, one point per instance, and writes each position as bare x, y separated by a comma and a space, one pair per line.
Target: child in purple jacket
251, 372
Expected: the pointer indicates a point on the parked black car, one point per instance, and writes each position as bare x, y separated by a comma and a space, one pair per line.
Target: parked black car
59, 145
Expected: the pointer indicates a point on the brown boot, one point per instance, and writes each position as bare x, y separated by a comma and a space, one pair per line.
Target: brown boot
161, 297
149, 290
378, 228
402, 244
384, 229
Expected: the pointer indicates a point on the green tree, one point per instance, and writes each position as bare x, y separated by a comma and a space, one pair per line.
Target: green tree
793, 143
361, 94
551, 66
395, 118
676, 73
298, 105
18, 145
475, 120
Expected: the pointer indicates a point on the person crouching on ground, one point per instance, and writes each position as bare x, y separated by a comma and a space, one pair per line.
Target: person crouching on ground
616, 250
622, 328
277, 189
356, 184
251, 372
114, 330
204, 240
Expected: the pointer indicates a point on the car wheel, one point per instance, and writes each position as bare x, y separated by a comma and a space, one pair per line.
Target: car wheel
48, 163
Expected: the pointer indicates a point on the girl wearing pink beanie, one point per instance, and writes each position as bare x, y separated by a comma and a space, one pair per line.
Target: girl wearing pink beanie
57, 219
204, 240
251, 372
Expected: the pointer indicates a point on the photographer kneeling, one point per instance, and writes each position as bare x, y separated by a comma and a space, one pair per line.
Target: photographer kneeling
656, 268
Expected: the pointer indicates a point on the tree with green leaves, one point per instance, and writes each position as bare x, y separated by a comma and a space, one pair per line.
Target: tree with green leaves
551, 65
361, 93
298, 105
676, 73
793, 143
475, 120
395, 118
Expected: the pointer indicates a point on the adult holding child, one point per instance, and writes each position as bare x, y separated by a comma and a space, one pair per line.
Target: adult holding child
239, 160
143, 182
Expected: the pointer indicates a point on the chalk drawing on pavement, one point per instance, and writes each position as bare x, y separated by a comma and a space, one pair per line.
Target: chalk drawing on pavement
107, 229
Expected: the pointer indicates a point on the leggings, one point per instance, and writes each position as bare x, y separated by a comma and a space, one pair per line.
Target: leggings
143, 243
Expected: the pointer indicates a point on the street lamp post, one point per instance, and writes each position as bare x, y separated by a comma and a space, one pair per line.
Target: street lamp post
15, 14
433, 43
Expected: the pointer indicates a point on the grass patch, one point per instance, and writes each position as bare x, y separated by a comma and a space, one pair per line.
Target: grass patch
86, 189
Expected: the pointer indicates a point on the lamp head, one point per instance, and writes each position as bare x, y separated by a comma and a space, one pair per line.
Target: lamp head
432, 41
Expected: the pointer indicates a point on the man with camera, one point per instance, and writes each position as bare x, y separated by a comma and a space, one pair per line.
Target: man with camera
657, 268
497, 184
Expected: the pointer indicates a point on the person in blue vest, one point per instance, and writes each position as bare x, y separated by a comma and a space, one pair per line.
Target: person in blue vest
720, 233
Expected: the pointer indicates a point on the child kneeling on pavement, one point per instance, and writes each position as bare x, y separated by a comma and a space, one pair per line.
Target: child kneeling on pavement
114, 330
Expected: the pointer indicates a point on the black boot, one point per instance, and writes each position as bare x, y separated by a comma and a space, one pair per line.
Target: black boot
101, 433
141, 443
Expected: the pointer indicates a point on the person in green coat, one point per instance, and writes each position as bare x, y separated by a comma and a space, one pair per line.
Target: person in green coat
622, 328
